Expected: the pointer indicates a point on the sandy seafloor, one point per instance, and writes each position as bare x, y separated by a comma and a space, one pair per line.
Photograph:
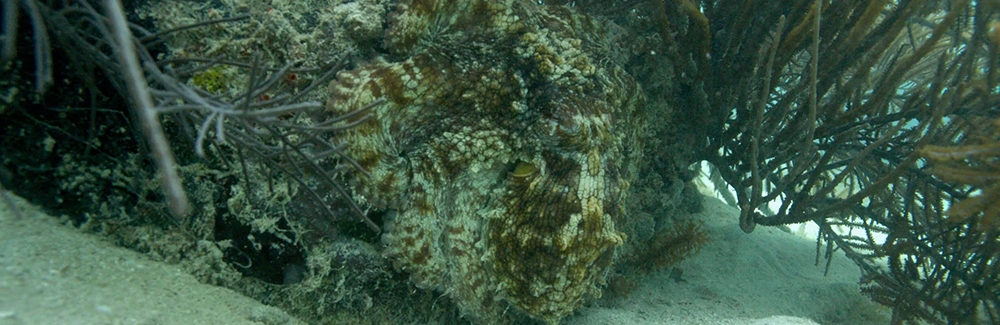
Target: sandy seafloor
53, 274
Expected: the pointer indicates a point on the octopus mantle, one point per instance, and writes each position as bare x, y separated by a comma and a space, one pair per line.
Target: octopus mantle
503, 152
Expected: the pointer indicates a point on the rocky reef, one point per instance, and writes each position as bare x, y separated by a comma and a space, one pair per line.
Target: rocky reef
503, 154
501, 148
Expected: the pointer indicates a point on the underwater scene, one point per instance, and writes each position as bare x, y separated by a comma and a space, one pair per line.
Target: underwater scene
500, 162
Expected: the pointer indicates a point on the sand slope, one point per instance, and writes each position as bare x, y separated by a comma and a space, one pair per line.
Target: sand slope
54, 274
740, 278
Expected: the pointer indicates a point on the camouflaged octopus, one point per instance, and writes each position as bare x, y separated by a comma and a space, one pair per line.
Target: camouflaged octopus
503, 152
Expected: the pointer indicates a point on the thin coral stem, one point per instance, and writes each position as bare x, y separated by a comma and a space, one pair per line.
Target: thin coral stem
143, 104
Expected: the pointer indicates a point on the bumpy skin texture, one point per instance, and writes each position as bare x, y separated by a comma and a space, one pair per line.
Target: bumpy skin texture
504, 150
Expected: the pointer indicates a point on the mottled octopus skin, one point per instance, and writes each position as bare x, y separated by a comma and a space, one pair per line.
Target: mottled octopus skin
503, 152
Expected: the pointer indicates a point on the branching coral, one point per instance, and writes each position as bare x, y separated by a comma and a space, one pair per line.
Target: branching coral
269, 118
975, 164
829, 121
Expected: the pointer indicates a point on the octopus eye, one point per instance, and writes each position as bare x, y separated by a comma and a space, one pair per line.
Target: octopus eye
568, 126
523, 169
